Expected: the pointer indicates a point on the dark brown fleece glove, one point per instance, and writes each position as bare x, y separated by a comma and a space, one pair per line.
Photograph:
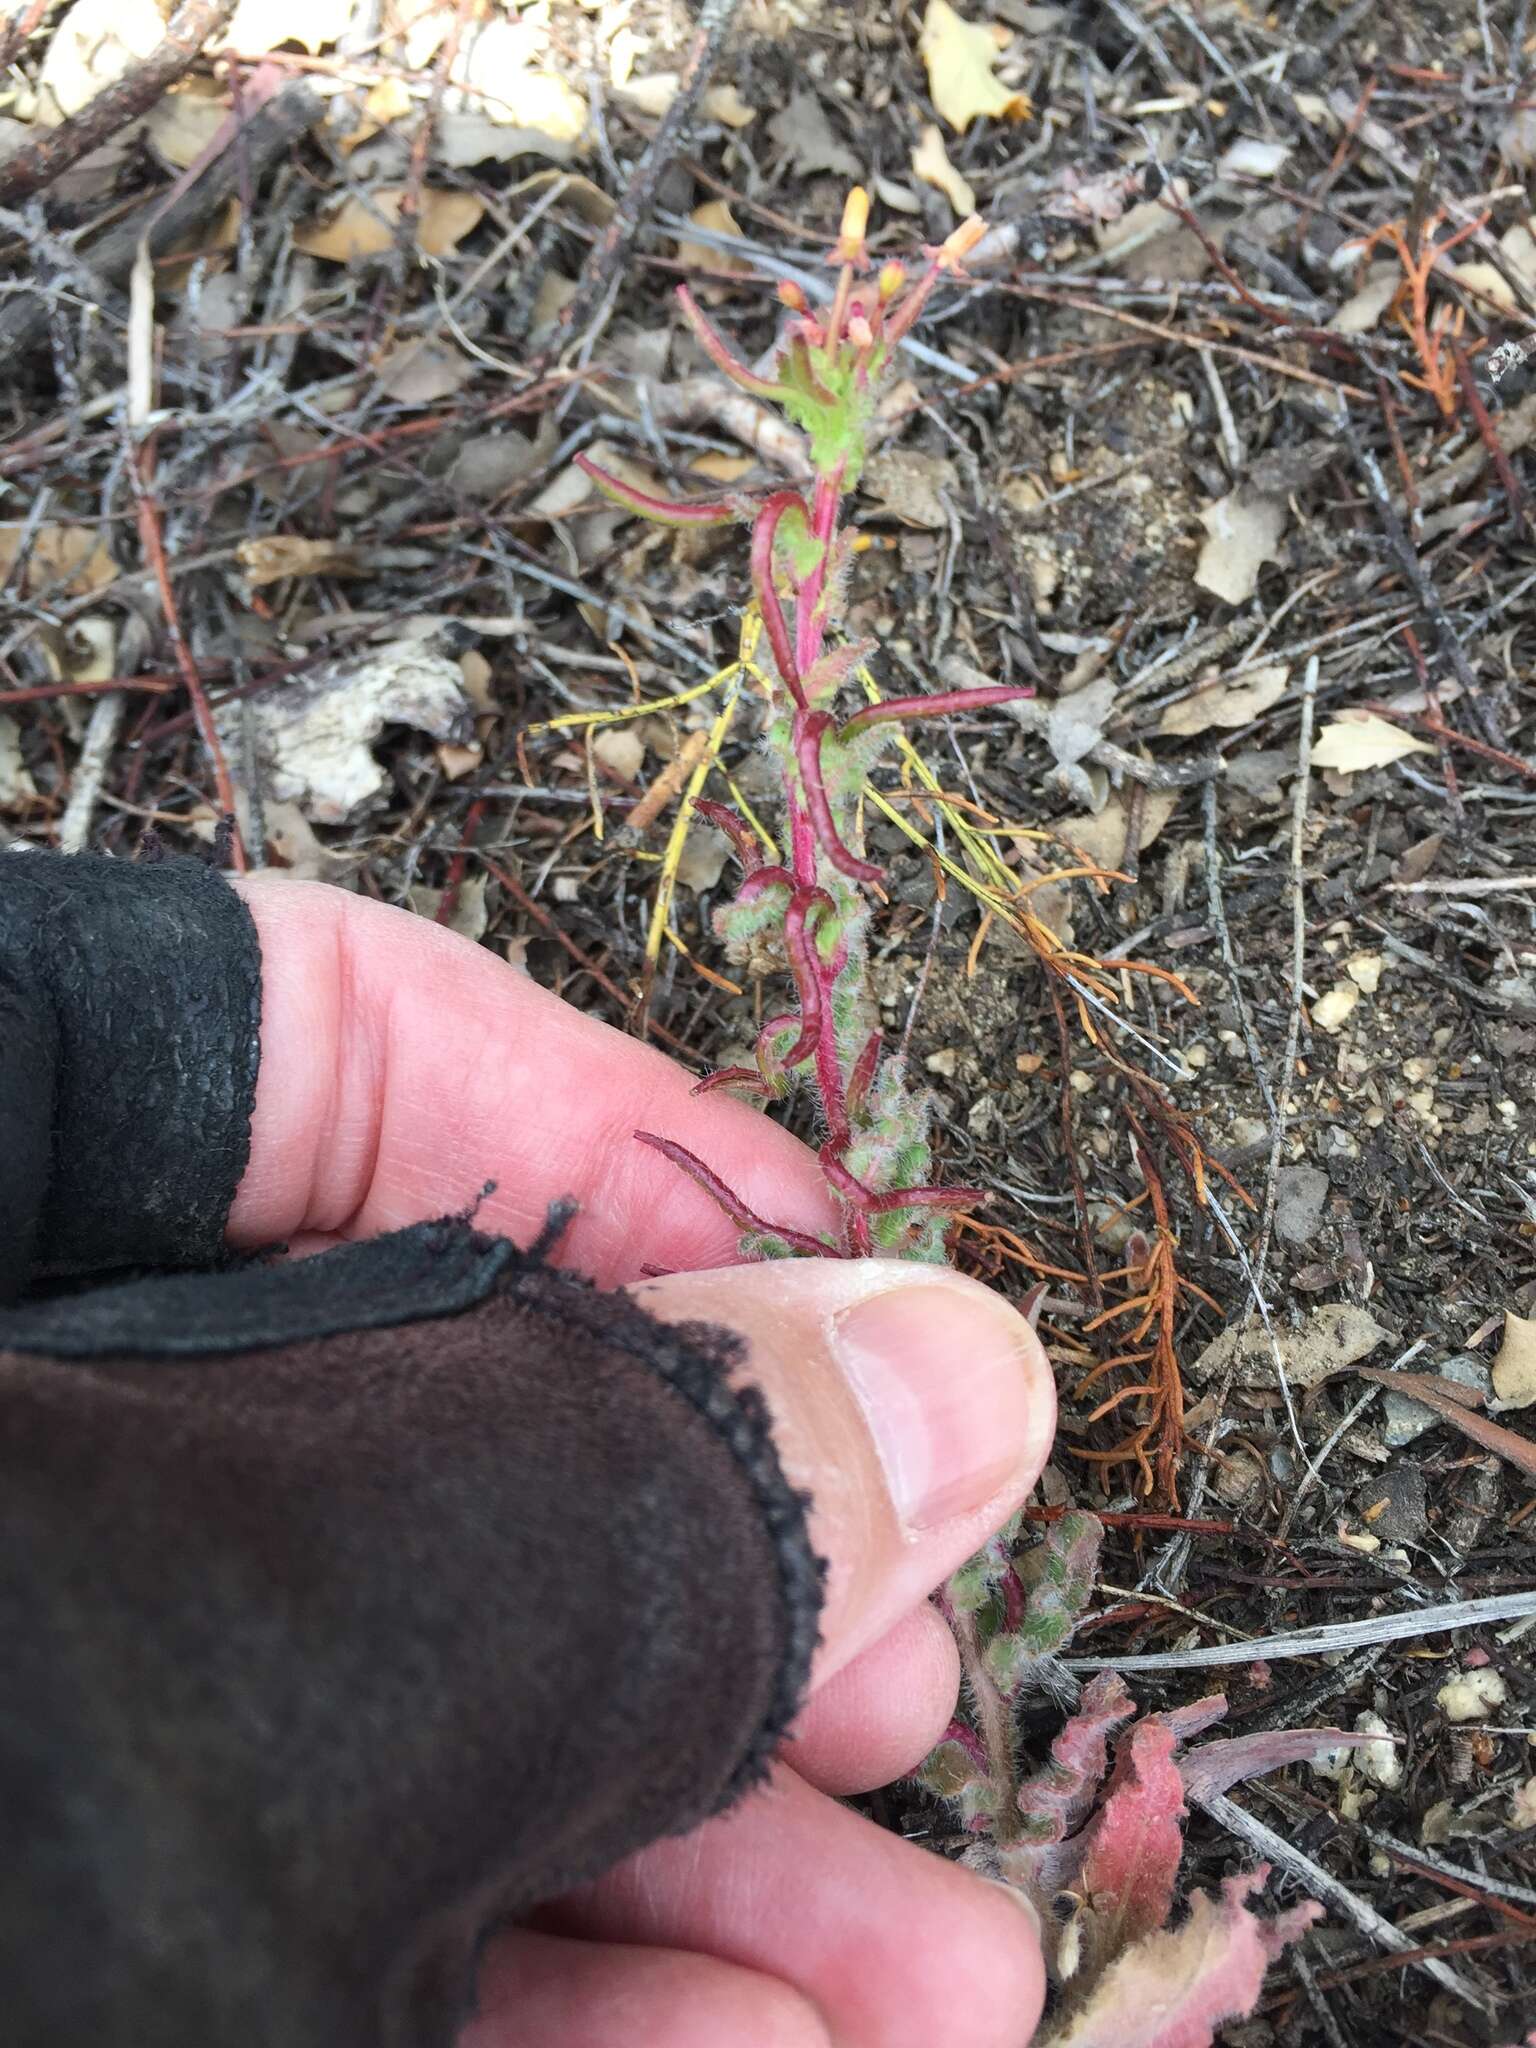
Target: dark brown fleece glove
347, 1606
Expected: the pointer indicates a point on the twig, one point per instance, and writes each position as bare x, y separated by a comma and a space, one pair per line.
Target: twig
606, 258
1279, 1849
90, 771
45, 159
270, 133
1322, 1641
17, 31
1418, 582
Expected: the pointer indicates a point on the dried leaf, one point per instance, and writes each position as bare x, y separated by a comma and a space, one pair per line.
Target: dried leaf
1514, 1370
185, 121
261, 25
1363, 741
1218, 1766
361, 228
314, 736
1226, 704
653, 94
95, 43
469, 916
422, 372
1102, 839
910, 486
959, 55
1328, 1340
803, 129
1362, 313
620, 748
1250, 158
63, 559
717, 217
1173, 1989
930, 162
16, 785
277, 555
1243, 531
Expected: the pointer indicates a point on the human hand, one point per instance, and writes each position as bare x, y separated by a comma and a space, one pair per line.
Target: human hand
401, 1070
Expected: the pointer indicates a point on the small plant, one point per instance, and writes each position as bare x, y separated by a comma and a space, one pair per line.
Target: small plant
1095, 1848
806, 906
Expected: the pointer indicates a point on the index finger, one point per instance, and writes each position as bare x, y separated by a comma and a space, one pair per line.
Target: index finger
402, 1068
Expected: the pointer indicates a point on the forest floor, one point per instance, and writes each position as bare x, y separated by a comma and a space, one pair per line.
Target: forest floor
1225, 446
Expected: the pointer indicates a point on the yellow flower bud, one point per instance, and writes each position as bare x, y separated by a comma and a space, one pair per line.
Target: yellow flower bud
960, 244
850, 241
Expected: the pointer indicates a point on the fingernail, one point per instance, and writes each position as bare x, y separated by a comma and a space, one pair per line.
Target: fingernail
1025, 1905
945, 1376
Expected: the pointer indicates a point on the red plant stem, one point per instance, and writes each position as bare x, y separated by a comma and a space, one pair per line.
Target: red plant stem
661, 511
862, 1079
939, 705
713, 1186
809, 729
732, 1077
802, 841
745, 842
809, 971
764, 533
810, 617
720, 351
762, 878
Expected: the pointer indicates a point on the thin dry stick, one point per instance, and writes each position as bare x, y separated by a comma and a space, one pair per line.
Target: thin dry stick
18, 29
1325, 1886
1323, 1641
133, 94
608, 253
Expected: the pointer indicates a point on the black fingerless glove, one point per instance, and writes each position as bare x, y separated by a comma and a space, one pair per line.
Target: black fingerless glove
347, 1606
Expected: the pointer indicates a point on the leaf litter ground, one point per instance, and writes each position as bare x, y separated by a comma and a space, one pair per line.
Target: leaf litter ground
297, 533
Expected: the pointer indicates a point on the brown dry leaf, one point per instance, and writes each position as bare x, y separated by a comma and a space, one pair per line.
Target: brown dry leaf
621, 749
1329, 1339
1514, 1370
1102, 838
1362, 313
930, 162
383, 104
910, 486
1449, 1401
63, 558
469, 916
554, 294
653, 94
1226, 704
186, 120
804, 129
278, 555
721, 468
1242, 533
261, 25
589, 200
95, 43
1362, 740
494, 70
422, 372
959, 55
717, 217
366, 227
456, 761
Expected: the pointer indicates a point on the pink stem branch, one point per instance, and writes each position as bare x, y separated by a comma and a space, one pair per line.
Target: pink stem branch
713, 1186
937, 706
810, 620
720, 351
806, 964
809, 728
735, 827
661, 511
764, 533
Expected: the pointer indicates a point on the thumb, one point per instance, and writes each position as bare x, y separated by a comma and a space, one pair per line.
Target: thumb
914, 1406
